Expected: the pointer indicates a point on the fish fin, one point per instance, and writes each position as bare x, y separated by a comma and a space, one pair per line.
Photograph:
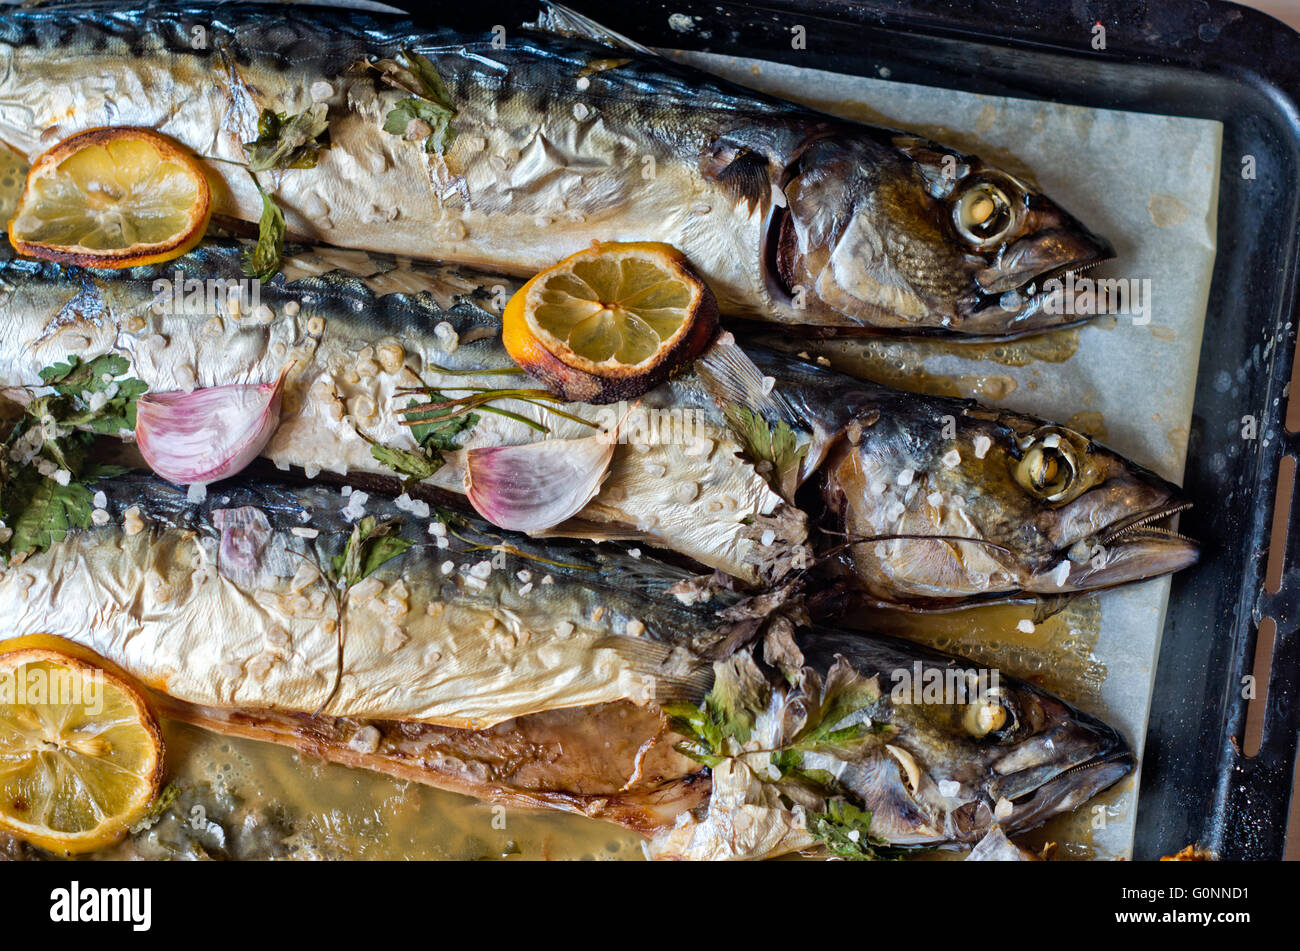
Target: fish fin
743, 174
560, 20
678, 675
731, 377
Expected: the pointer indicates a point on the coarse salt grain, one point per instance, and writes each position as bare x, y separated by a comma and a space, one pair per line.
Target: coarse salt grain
1025, 626
982, 446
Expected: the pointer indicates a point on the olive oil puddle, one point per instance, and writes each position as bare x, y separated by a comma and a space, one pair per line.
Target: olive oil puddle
244, 799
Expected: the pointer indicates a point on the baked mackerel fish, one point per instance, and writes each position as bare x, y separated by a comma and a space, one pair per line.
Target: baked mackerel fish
554, 674
926, 502
354, 331
555, 141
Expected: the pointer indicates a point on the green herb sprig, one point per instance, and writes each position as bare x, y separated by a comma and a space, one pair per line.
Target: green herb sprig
44, 451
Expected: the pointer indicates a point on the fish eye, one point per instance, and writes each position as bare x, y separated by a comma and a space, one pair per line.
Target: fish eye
992, 718
983, 214
1047, 469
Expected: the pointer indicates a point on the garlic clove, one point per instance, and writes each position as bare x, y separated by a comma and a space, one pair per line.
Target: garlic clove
536, 486
206, 435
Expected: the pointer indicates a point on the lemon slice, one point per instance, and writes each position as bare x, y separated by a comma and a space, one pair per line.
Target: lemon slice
610, 322
112, 198
80, 752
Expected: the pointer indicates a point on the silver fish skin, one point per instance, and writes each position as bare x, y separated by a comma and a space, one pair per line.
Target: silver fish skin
227, 603
357, 328
220, 606
939, 503
792, 215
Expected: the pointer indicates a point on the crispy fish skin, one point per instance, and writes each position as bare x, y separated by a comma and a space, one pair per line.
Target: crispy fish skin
615, 761
222, 604
792, 215
356, 328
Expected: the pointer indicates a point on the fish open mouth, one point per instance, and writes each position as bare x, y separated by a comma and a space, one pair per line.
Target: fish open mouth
1036, 305
1134, 548
1068, 789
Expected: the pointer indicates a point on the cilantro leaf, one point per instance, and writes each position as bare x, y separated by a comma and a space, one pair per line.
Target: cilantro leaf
285, 142
263, 260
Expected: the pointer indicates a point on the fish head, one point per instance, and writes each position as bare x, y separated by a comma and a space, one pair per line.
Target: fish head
915, 237
965, 747
994, 505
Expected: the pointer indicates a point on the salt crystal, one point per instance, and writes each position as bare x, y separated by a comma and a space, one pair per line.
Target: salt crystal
982, 446
1025, 626
949, 788
99, 500
951, 458
905, 477
767, 538
196, 493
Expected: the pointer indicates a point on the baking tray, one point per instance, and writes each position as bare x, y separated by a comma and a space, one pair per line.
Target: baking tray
1206, 59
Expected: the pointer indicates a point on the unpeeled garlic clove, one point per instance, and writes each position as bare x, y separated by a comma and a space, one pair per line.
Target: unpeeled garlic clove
206, 435
536, 486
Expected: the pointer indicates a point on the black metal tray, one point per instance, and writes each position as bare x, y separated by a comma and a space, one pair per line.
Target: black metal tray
1205, 59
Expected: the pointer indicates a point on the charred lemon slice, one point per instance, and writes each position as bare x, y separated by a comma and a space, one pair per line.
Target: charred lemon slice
610, 322
112, 198
80, 752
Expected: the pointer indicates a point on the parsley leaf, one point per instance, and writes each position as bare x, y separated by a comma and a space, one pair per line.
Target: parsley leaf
44, 452
50, 511
417, 466
263, 260
845, 830
285, 142
775, 444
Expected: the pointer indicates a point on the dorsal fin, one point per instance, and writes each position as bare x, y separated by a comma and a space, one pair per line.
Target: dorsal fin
560, 20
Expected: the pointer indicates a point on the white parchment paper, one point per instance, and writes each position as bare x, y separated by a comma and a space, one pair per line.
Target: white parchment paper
1149, 184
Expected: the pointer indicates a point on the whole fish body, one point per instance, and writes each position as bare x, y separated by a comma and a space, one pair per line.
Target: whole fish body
792, 215
358, 327
541, 692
